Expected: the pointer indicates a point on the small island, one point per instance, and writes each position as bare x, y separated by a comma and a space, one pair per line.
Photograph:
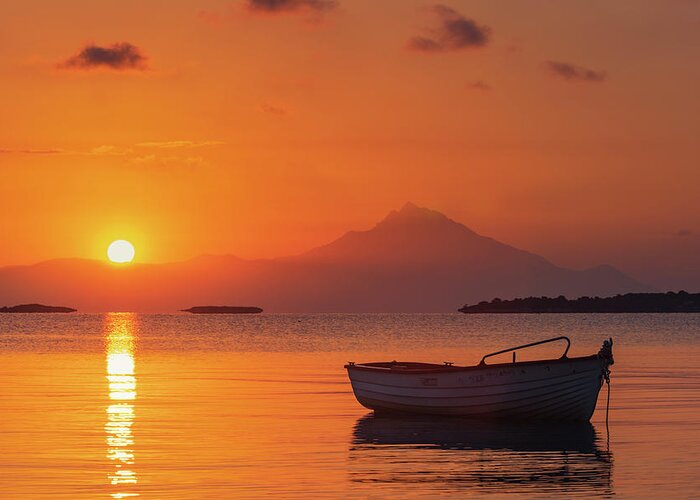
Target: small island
36, 308
223, 310
669, 302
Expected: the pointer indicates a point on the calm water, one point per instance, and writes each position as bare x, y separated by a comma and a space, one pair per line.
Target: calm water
181, 406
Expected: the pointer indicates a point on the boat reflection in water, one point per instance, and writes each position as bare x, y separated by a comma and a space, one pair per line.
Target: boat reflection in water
457, 455
121, 378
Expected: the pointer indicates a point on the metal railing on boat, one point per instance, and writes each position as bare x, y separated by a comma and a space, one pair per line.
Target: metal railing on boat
524, 346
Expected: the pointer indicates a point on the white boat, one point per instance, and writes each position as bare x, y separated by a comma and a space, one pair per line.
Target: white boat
553, 389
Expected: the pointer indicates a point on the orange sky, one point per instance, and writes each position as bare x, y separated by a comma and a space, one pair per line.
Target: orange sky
285, 129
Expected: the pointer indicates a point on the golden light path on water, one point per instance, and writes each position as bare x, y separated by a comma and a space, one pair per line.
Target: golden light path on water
121, 377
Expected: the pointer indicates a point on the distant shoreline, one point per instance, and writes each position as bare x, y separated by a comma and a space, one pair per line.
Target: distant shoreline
36, 308
630, 303
223, 310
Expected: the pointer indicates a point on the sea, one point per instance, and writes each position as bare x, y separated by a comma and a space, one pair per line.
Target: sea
178, 406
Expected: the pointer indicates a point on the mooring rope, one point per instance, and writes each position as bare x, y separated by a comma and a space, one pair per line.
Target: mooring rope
606, 375
606, 355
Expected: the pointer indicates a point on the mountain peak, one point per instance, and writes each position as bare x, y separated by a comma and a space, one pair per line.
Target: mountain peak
410, 206
411, 212
410, 234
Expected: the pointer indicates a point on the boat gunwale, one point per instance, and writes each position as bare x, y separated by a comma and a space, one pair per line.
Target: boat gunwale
435, 368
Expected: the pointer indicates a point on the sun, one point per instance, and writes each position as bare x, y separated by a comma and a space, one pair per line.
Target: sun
121, 252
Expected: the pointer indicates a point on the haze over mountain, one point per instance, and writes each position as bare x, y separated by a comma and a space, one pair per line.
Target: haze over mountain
415, 259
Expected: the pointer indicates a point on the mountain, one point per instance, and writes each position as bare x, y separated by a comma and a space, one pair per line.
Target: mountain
415, 259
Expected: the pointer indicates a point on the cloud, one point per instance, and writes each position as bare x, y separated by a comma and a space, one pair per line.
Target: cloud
210, 17
684, 232
479, 85
111, 150
107, 150
274, 110
168, 161
104, 150
573, 73
178, 144
454, 32
32, 151
118, 56
276, 6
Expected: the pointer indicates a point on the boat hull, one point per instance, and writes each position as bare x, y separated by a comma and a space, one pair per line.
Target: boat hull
564, 389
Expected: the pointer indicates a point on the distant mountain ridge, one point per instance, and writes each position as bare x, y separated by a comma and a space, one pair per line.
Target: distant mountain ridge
415, 259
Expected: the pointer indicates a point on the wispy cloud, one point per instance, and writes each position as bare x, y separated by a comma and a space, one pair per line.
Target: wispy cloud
32, 151
273, 110
479, 85
310, 11
104, 150
178, 144
211, 17
168, 161
118, 56
277, 6
453, 32
573, 73
108, 150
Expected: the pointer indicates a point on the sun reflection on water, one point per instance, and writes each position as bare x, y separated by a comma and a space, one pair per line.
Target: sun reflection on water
121, 377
